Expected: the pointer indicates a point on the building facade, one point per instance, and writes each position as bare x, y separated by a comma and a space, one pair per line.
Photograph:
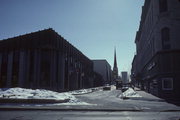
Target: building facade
45, 60
103, 68
156, 66
125, 79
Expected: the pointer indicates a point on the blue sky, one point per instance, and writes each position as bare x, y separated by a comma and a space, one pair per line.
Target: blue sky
95, 27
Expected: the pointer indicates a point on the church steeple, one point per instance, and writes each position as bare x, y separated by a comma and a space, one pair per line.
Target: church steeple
115, 62
115, 68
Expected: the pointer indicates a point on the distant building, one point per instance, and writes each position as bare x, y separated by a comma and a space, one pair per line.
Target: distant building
103, 68
98, 80
43, 59
124, 78
156, 65
115, 68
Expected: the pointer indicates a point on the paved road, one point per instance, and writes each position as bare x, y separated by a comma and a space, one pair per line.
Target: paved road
106, 100
79, 115
110, 100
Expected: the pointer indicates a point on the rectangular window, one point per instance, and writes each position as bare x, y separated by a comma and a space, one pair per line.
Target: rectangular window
167, 83
165, 37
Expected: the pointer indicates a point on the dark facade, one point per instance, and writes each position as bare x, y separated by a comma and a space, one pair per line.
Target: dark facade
43, 59
156, 67
103, 68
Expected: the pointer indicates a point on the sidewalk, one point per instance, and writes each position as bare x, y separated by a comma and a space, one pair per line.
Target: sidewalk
147, 96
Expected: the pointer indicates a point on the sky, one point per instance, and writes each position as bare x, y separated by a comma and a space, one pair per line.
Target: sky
95, 27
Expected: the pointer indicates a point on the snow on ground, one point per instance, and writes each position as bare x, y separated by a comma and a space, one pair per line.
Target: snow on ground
82, 91
22, 93
129, 93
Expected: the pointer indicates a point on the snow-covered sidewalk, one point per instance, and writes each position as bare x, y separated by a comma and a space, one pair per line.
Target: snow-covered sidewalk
147, 95
136, 94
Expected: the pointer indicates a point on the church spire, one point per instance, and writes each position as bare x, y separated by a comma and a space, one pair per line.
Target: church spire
115, 68
115, 62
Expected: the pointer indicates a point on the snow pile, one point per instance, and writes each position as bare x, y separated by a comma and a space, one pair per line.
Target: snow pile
22, 93
82, 91
129, 93
74, 102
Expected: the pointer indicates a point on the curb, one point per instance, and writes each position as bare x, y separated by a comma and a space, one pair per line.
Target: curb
34, 101
65, 109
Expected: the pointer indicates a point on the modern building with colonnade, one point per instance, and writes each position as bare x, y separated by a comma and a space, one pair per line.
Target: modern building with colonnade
45, 60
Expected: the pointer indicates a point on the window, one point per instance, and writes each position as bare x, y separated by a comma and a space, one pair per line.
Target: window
162, 6
167, 83
165, 37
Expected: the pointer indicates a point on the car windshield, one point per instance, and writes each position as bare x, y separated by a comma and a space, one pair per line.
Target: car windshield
89, 59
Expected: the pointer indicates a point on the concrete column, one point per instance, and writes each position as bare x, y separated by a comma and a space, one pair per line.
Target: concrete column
27, 84
66, 77
37, 62
60, 72
81, 75
22, 71
21, 68
35, 70
39, 69
9, 69
53, 71
77, 72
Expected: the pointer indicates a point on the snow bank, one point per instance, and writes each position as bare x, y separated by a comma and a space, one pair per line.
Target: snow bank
82, 91
22, 93
129, 93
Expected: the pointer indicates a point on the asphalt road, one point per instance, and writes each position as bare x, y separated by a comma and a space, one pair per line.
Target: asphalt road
106, 100
80, 115
110, 100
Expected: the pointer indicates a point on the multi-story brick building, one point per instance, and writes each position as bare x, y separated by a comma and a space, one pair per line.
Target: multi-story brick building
43, 59
156, 65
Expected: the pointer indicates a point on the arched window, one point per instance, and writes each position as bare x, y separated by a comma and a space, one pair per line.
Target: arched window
165, 37
163, 6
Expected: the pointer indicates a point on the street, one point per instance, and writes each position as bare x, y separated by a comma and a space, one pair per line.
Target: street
110, 100
80, 115
102, 105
